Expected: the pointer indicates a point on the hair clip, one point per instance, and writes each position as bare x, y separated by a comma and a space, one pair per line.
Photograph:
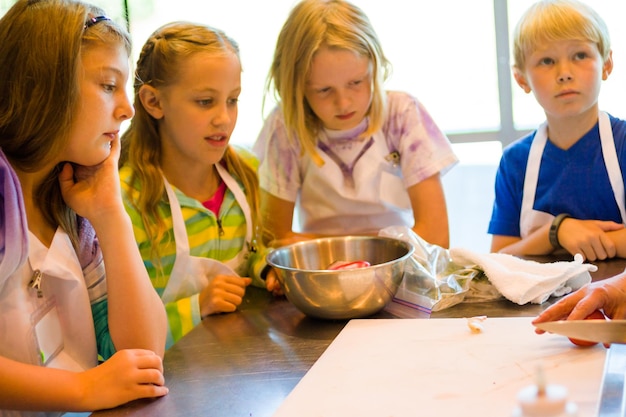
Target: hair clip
93, 20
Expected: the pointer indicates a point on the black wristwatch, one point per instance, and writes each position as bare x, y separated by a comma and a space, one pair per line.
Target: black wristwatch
554, 230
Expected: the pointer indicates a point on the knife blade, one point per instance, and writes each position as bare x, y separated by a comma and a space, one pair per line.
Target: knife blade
602, 331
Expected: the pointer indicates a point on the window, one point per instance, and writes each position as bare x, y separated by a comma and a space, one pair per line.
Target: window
452, 75
453, 55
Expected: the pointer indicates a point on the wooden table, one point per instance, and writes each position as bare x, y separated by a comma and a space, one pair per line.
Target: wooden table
246, 363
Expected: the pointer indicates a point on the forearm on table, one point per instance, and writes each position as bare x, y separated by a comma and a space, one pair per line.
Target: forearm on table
31, 387
537, 243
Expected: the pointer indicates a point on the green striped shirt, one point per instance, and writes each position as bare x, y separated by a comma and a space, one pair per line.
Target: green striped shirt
217, 237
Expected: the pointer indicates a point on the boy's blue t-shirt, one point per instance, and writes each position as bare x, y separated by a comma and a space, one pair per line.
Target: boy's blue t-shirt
573, 181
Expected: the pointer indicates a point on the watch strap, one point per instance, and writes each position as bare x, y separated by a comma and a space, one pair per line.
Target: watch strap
553, 235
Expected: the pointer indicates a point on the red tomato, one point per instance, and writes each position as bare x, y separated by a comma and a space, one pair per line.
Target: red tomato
596, 315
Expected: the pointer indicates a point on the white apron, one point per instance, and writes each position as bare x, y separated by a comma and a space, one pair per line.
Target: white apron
190, 274
54, 329
371, 198
531, 219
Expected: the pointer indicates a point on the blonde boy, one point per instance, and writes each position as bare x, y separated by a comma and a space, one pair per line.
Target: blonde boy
562, 187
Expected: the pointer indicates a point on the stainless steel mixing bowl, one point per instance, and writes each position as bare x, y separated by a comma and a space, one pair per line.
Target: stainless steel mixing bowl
341, 294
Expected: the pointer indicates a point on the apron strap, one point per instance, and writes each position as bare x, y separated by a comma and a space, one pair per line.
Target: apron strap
178, 222
611, 162
532, 172
180, 231
239, 196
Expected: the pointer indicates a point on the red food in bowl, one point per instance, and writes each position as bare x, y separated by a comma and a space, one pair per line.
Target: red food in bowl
347, 265
596, 315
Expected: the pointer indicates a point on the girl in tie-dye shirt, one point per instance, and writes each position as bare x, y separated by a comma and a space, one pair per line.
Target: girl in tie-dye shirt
339, 153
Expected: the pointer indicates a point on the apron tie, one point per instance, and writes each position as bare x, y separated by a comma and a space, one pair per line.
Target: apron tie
346, 170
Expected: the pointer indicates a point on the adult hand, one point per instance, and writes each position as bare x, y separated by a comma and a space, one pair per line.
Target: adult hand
589, 238
128, 375
223, 294
608, 296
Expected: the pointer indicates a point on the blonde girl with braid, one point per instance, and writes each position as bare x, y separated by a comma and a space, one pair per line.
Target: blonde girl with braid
192, 197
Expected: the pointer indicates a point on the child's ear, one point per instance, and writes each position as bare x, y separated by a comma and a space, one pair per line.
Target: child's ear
151, 101
520, 78
607, 67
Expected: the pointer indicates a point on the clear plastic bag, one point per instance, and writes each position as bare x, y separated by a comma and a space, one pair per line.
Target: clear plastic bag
432, 282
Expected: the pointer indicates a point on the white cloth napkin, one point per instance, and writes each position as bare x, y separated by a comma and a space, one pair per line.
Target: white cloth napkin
523, 281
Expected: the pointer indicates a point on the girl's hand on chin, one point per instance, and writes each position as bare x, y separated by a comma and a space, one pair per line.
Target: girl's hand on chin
93, 191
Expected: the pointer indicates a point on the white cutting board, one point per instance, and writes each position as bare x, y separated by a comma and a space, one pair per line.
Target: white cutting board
438, 367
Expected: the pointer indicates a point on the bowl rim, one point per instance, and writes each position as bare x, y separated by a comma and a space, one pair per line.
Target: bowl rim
409, 246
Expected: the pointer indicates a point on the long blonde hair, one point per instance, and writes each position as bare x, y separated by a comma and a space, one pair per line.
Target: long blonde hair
310, 25
158, 66
555, 20
40, 58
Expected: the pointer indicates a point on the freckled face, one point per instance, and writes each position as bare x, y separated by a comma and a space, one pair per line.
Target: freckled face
339, 87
